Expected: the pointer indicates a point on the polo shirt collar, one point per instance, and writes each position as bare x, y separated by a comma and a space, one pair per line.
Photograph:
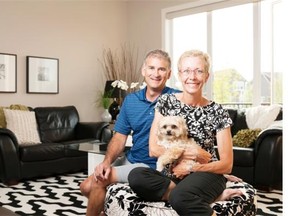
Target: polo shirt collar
142, 93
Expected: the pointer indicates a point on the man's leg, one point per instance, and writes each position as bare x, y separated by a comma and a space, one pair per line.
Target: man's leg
96, 191
96, 198
85, 186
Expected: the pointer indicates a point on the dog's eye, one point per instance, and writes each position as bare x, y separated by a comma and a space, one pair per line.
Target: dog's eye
165, 126
173, 126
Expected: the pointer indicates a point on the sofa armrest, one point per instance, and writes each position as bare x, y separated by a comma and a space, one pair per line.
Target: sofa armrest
93, 130
268, 159
9, 133
9, 157
263, 135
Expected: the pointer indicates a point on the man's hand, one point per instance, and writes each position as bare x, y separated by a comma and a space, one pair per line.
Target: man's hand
102, 171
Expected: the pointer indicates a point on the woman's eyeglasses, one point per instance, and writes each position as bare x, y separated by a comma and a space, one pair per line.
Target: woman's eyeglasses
188, 71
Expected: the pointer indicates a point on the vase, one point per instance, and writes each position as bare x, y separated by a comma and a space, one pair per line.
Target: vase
106, 116
114, 109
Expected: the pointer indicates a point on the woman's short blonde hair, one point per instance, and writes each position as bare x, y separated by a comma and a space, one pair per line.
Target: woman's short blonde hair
195, 53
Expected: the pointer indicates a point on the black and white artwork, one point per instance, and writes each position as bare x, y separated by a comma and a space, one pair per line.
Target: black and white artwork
42, 75
8, 71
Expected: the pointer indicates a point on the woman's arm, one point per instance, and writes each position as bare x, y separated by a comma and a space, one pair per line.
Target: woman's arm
225, 163
222, 166
155, 150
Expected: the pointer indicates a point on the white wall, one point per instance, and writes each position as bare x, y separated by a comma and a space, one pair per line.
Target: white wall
75, 32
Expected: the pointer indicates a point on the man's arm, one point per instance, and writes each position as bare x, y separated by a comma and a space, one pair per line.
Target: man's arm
115, 147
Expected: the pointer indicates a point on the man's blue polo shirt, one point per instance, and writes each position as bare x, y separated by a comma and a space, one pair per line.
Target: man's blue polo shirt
136, 115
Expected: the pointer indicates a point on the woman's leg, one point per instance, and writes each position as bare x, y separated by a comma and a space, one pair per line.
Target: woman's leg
194, 194
149, 184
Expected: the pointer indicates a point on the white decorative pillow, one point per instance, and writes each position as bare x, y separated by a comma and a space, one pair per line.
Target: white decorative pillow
261, 116
24, 126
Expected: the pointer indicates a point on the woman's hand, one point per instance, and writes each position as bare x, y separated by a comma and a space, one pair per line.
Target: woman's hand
182, 169
189, 157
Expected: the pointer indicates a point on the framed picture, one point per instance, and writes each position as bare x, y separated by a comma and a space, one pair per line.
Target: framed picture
42, 75
8, 73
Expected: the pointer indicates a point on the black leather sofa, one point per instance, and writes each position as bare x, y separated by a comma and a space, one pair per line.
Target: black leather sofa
59, 128
261, 163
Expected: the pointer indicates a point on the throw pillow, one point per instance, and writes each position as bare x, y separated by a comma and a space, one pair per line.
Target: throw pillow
2, 117
13, 107
23, 125
261, 116
246, 137
19, 107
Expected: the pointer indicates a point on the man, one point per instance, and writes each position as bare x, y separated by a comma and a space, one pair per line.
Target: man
136, 116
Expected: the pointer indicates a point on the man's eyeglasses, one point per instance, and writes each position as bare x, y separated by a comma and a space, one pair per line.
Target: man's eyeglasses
188, 71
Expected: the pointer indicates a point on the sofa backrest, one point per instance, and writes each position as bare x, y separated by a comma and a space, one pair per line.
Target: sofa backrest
56, 124
239, 119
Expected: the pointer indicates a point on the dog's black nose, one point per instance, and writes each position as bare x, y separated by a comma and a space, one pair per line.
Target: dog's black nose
169, 132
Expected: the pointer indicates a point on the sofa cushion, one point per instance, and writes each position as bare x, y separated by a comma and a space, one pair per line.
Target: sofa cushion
56, 124
42, 152
23, 125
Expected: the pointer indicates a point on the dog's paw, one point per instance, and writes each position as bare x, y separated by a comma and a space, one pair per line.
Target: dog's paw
163, 160
159, 166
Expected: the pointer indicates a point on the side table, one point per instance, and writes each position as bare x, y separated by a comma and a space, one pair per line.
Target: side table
96, 157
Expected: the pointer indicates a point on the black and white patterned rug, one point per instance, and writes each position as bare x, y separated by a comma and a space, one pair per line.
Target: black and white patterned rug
60, 195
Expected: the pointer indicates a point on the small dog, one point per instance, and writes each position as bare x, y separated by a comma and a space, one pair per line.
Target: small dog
173, 135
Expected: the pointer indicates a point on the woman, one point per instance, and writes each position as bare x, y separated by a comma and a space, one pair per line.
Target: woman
207, 123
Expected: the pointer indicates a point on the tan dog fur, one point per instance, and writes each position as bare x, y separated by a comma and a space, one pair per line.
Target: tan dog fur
173, 135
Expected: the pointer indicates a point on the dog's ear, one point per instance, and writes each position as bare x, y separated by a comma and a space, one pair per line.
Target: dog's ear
183, 125
158, 132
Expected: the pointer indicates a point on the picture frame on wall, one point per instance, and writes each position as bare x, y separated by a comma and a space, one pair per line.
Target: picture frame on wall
42, 75
8, 73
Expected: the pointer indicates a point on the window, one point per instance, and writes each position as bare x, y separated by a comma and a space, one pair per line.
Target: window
245, 44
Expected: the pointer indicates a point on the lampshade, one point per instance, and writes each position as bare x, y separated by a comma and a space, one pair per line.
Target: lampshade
116, 92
